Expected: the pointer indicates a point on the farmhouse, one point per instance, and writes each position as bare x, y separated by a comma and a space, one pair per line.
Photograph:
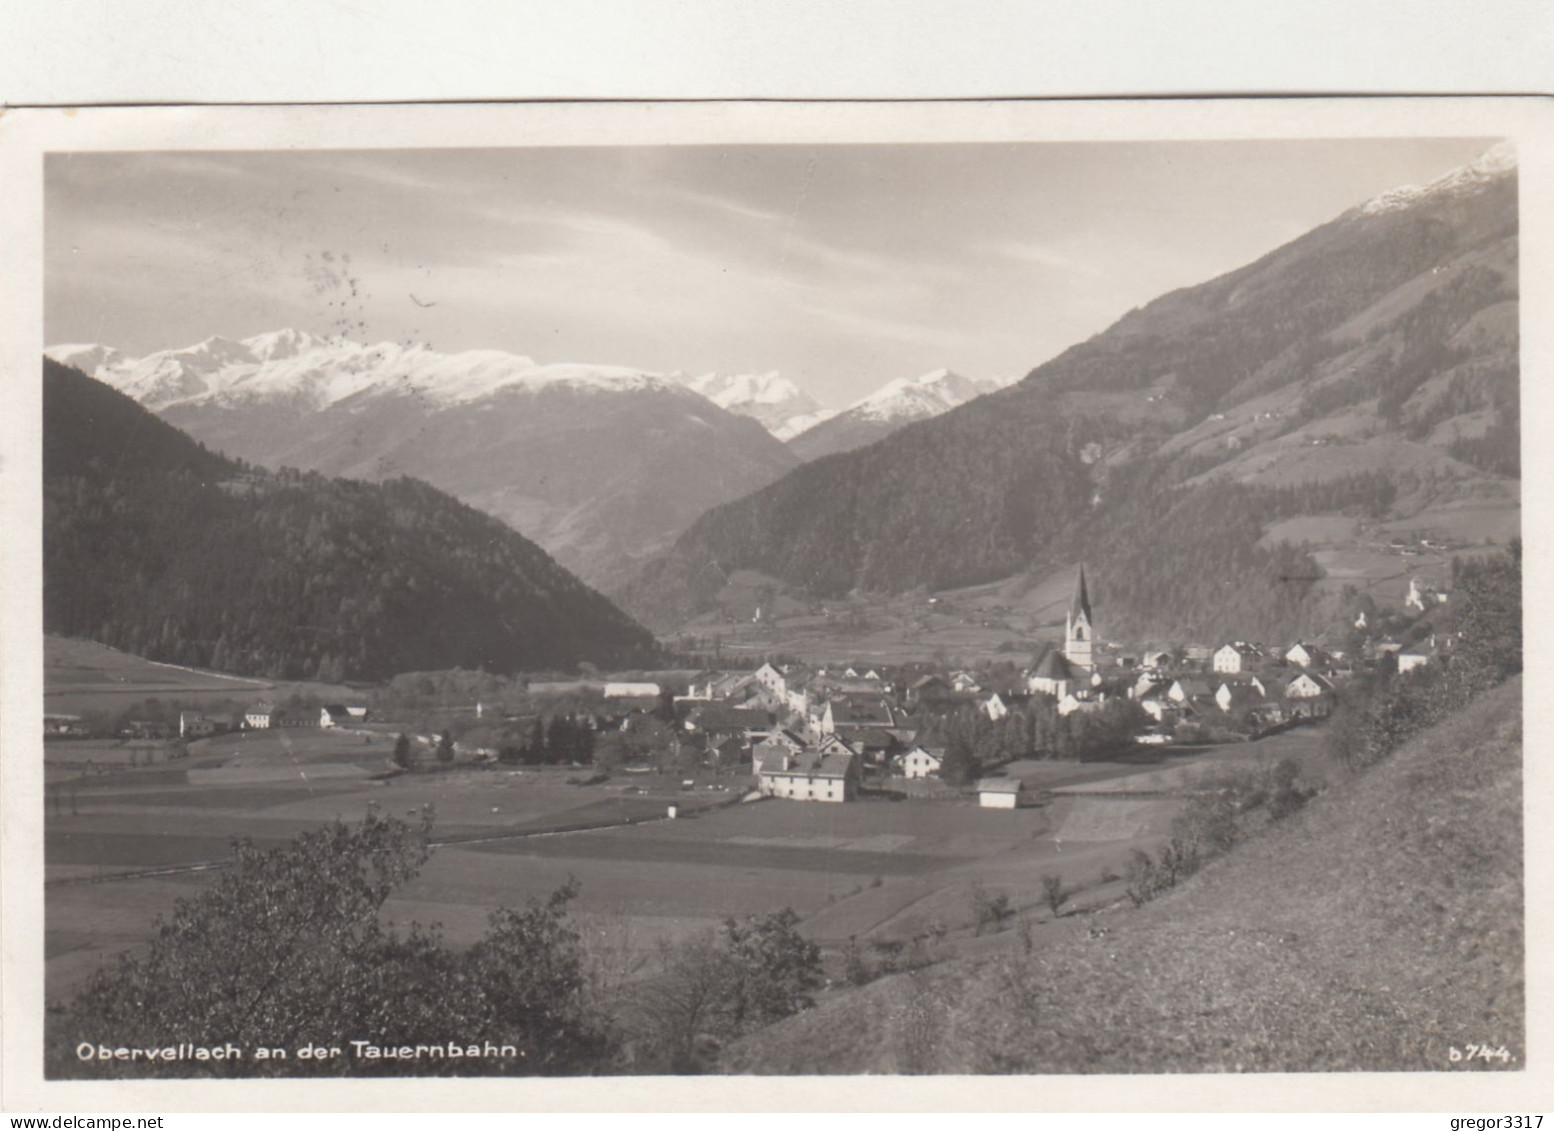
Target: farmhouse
1158, 705
856, 712
65, 726
930, 689
964, 681
836, 743
1189, 688
1080, 699
1421, 595
1235, 698
811, 775
876, 744
192, 724
1307, 655
631, 691
729, 754
333, 715
1238, 656
720, 720
992, 704
716, 686
1000, 793
261, 716
922, 761
774, 747
1307, 685
1147, 682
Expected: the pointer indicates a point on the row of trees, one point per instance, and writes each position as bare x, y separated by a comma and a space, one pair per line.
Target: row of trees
289, 951
972, 741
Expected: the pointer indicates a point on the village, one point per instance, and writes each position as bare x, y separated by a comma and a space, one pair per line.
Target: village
885, 804
820, 734
834, 734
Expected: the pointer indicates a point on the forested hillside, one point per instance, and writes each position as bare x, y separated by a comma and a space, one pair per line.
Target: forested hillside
1379, 349
158, 547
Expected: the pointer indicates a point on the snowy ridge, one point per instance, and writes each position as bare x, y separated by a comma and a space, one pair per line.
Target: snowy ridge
1495, 162
296, 367
770, 398
916, 398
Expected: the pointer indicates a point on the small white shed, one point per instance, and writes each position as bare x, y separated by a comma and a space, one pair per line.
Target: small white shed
1000, 793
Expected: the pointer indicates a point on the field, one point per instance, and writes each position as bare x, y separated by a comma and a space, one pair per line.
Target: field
122, 845
1377, 929
81, 676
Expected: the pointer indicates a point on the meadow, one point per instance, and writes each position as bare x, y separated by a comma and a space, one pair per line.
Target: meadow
128, 843
81, 676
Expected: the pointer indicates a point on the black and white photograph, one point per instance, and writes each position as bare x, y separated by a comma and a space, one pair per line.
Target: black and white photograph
700, 591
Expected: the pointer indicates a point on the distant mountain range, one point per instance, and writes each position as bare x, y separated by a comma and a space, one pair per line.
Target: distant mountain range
601, 465
155, 545
810, 431
1367, 371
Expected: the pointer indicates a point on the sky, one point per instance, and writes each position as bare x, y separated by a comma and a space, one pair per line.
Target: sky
840, 266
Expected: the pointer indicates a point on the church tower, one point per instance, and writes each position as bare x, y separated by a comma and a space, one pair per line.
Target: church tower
1081, 627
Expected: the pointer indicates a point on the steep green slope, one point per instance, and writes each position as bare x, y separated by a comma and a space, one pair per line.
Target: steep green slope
158, 547
1383, 343
1378, 929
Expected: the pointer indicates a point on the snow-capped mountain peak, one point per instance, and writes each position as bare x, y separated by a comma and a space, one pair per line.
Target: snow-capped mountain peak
1493, 163
914, 398
86, 357
892, 405
770, 398
297, 367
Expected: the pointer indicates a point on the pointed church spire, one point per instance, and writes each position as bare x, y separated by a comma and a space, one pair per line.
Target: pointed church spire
1081, 602
1078, 638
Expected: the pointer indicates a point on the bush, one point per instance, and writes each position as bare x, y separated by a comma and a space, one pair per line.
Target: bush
287, 949
988, 909
855, 967
749, 973
1142, 878
1053, 894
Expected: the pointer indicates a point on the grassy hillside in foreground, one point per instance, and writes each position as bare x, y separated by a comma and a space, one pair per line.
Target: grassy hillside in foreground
1375, 930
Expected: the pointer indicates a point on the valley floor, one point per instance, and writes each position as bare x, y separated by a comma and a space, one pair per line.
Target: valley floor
123, 846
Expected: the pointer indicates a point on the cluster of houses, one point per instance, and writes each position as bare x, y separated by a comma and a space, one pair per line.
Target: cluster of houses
203, 724
809, 732
65, 726
267, 716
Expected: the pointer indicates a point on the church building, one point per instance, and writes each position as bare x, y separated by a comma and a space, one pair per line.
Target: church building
1080, 635
1071, 670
